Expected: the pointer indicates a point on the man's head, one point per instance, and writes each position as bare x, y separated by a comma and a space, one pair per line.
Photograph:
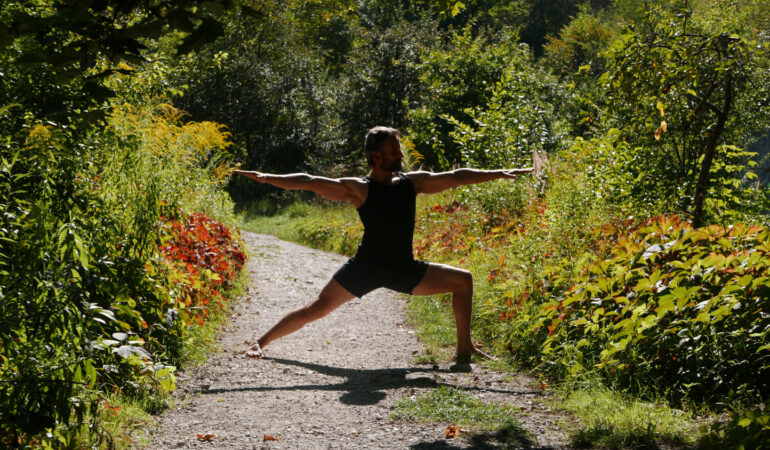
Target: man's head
380, 140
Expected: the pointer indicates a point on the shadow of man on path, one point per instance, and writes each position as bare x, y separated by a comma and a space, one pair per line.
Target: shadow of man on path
364, 386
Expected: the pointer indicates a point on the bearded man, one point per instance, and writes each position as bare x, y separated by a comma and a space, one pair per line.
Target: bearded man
386, 202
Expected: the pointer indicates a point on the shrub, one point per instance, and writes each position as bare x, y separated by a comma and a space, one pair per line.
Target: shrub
673, 309
85, 307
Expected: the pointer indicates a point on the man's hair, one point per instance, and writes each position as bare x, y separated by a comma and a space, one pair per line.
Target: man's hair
375, 140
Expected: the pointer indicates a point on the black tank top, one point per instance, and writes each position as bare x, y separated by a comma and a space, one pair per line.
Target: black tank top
388, 218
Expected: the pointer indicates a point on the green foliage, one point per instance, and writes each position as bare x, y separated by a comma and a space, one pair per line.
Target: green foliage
573, 207
278, 122
677, 88
457, 78
85, 308
576, 56
673, 307
747, 429
520, 117
547, 18
167, 159
72, 46
382, 77
298, 93
578, 49
331, 231
499, 198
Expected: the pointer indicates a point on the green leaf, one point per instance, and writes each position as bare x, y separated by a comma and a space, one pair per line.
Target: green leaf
744, 422
661, 109
90, 373
665, 304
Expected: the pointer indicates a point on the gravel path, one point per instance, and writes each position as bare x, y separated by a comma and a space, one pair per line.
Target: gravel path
331, 384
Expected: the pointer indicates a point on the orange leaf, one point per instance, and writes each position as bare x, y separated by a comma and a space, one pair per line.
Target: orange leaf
551, 329
267, 437
205, 437
452, 431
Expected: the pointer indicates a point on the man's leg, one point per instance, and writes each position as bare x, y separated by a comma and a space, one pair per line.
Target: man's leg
439, 279
332, 296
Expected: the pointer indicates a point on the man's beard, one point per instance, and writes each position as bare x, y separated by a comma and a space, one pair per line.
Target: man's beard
394, 166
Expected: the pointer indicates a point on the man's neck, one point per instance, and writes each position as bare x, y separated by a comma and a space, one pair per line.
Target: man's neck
383, 176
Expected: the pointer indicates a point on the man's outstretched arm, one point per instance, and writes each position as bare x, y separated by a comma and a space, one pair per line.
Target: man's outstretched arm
341, 189
430, 183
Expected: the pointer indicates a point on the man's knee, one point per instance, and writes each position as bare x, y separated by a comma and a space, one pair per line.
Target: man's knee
464, 280
315, 310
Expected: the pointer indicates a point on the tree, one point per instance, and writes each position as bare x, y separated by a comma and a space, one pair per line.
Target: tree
78, 43
456, 79
673, 85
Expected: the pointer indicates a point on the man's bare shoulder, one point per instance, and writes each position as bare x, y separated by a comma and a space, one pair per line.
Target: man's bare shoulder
358, 189
352, 182
357, 180
418, 175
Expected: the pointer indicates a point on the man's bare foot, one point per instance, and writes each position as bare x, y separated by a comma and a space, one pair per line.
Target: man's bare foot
255, 351
464, 357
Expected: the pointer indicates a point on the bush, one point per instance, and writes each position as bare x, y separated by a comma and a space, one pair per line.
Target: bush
747, 429
86, 305
673, 309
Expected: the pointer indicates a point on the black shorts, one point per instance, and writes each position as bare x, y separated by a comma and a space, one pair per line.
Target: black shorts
360, 277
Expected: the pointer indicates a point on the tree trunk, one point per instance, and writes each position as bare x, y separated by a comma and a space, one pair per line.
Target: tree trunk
702, 185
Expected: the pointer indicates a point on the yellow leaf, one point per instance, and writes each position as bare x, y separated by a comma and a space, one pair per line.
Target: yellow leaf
663, 127
661, 109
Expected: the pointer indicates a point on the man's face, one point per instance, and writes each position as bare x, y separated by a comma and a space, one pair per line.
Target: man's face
392, 159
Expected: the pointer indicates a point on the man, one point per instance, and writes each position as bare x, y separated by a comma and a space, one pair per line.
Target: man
385, 200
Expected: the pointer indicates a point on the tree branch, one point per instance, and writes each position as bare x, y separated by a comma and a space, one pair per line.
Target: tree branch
704, 101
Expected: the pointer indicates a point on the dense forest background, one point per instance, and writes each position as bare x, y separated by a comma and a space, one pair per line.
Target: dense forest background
301, 83
121, 121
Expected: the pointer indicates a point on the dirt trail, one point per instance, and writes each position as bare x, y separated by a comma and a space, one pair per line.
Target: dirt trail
331, 384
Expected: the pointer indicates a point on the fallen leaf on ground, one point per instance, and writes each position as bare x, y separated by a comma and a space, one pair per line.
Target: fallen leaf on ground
543, 385
271, 438
452, 431
205, 437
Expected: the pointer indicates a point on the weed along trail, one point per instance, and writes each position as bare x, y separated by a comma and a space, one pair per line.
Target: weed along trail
334, 383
